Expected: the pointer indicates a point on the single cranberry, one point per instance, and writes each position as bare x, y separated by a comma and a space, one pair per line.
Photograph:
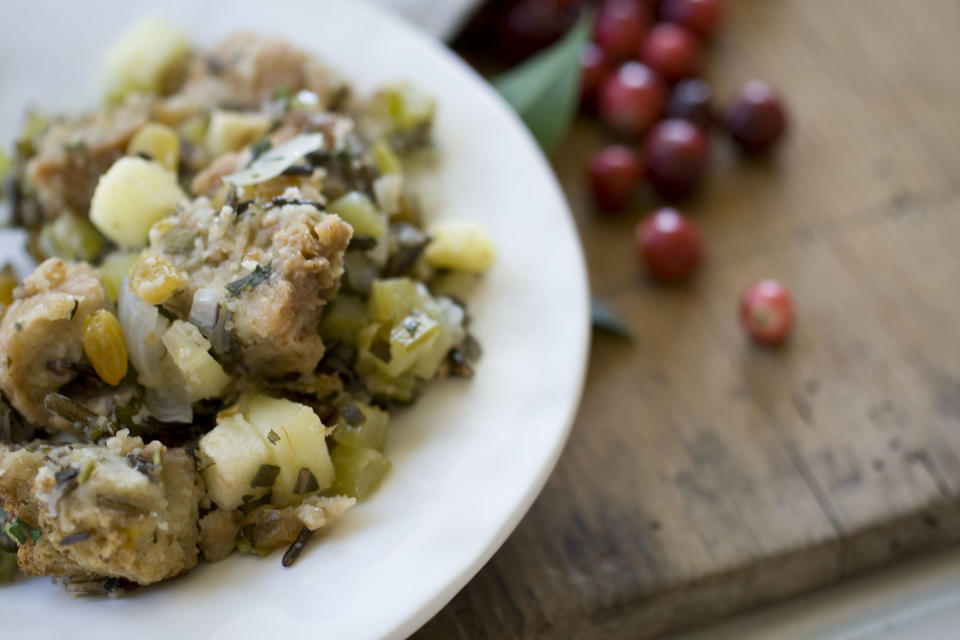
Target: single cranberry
672, 51
692, 100
593, 68
619, 28
615, 173
766, 312
669, 245
530, 25
756, 119
703, 17
631, 99
677, 152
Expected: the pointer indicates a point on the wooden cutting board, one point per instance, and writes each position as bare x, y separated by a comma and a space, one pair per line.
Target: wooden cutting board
704, 475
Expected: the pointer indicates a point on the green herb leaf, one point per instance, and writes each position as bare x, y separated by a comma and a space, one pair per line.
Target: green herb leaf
266, 475
19, 530
249, 281
604, 319
545, 90
275, 161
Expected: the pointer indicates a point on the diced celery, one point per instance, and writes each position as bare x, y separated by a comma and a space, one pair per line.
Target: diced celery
114, 269
408, 106
370, 434
399, 389
159, 142
344, 319
70, 237
357, 210
358, 471
410, 339
460, 245
385, 159
392, 298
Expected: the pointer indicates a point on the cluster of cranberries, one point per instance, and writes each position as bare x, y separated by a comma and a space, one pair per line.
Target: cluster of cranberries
641, 78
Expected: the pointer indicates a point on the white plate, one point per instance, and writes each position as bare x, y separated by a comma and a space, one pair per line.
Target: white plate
469, 459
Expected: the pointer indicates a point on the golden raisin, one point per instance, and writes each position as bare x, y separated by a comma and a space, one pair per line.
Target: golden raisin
104, 344
154, 279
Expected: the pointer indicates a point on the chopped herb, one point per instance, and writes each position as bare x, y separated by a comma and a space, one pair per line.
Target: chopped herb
282, 93
273, 437
20, 531
259, 149
381, 349
352, 414
179, 240
18, 326
249, 281
86, 471
76, 305
66, 476
140, 464
282, 202
74, 538
306, 482
266, 475
95, 426
411, 324
298, 170
459, 364
75, 146
155, 536
293, 552
118, 503
363, 243
146, 156
243, 206
604, 319
214, 66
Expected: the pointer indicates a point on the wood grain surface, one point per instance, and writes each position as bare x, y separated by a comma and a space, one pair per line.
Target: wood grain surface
704, 475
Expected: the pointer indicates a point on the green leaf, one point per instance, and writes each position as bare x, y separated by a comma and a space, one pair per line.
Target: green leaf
545, 90
604, 319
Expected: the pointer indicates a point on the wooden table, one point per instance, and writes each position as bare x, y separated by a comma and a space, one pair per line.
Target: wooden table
704, 475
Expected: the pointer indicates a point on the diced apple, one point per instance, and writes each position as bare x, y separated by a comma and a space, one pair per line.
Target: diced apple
460, 245
146, 58
233, 130
298, 440
233, 453
130, 197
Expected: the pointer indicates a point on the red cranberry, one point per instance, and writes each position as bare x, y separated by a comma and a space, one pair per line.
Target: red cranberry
631, 99
615, 173
703, 17
677, 153
669, 245
766, 312
756, 119
620, 27
671, 51
530, 25
692, 100
593, 68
